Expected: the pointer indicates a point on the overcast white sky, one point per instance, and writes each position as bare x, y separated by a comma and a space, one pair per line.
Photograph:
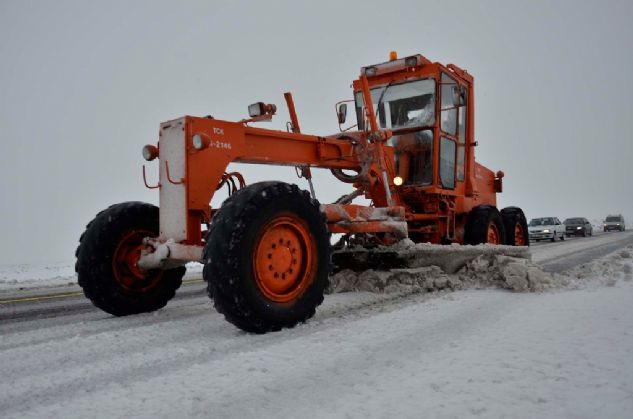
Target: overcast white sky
84, 85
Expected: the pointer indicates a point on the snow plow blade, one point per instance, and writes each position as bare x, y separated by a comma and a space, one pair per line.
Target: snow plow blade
450, 258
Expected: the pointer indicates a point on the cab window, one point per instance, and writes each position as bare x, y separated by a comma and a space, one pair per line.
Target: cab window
448, 110
447, 163
414, 157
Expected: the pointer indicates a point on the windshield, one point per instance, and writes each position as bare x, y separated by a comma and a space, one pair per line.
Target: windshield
574, 221
613, 218
403, 105
541, 222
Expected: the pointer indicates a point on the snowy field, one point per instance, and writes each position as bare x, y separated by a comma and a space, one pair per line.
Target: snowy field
481, 351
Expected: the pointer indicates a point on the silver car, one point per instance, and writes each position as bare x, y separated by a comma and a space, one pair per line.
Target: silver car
614, 222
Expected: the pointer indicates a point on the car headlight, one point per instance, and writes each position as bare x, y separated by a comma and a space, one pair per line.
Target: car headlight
578, 228
546, 231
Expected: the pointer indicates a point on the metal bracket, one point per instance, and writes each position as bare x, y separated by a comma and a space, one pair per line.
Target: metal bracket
145, 181
182, 179
305, 172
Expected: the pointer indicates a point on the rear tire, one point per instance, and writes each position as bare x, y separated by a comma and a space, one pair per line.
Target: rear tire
106, 262
484, 225
515, 225
267, 257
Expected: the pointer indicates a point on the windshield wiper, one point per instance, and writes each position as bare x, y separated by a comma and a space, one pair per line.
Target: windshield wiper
382, 95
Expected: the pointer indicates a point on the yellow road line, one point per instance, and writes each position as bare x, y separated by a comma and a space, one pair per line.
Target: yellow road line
68, 294
41, 297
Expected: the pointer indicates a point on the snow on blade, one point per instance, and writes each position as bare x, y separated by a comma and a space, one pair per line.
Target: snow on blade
484, 271
489, 269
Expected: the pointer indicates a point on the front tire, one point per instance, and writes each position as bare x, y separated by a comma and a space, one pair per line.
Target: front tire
106, 262
267, 259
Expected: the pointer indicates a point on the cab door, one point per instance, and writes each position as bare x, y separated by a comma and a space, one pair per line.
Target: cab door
452, 144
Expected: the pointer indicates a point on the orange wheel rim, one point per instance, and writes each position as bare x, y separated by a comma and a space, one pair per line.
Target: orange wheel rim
284, 258
124, 263
519, 235
493, 234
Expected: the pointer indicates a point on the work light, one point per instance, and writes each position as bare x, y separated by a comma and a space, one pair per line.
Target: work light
150, 152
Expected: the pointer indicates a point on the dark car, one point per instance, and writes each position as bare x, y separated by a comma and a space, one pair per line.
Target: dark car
578, 226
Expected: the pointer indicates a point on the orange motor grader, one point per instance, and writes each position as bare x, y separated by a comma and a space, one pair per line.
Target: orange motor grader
266, 251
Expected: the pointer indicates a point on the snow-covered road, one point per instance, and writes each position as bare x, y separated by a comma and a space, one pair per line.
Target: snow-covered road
560, 256
471, 353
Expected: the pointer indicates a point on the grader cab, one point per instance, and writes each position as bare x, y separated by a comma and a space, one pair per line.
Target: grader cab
266, 251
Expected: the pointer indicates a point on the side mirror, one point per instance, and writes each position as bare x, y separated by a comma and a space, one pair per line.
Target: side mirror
341, 113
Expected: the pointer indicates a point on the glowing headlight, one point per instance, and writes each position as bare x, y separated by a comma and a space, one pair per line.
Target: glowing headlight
578, 228
546, 231
397, 181
150, 152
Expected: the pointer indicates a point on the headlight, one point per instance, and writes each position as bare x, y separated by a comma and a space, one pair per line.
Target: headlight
199, 142
397, 181
370, 71
256, 109
261, 108
150, 152
411, 61
578, 228
546, 231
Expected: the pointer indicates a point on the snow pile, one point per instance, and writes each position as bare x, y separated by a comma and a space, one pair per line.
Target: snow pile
508, 272
488, 270
605, 271
430, 278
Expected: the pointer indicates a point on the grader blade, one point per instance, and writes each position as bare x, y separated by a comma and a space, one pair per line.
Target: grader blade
450, 258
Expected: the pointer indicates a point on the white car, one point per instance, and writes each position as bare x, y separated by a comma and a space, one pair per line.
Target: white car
546, 228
